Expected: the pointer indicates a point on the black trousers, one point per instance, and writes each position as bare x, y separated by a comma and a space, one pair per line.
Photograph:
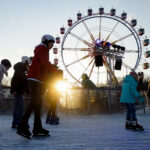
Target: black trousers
35, 105
52, 109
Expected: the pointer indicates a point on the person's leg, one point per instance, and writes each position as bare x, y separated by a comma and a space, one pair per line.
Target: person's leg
134, 122
23, 125
15, 112
48, 118
38, 129
33, 88
128, 116
54, 109
20, 108
133, 112
38, 107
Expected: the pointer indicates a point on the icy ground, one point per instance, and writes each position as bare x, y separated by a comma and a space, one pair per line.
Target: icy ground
80, 132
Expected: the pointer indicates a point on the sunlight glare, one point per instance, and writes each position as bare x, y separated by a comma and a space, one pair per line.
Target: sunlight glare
61, 86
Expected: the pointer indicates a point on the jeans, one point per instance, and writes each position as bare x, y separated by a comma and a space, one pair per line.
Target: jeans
18, 109
131, 112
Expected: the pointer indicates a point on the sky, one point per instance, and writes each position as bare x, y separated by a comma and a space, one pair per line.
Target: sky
23, 22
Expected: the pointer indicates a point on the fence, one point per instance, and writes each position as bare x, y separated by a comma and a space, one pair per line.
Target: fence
82, 101
96, 101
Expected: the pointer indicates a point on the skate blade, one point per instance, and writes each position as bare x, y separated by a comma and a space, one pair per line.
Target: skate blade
54, 123
25, 136
41, 135
138, 129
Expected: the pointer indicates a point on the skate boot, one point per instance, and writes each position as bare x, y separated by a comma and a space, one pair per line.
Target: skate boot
136, 126
40, 132
48, 119
23, 130
57, 118
54, 121
128, 124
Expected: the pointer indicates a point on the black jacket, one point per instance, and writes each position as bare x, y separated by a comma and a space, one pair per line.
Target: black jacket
19, 79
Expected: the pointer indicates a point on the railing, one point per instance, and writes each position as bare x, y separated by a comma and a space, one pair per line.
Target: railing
99, 100
90, 101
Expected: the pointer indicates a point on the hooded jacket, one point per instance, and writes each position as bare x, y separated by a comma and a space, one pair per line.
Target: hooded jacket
129, 91
86, 83
2, 72
40, 65
19, 79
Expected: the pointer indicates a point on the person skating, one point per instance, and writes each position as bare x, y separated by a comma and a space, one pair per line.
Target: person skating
4, 67
37, 76
129, 96
18, 87
87, 83
53, 96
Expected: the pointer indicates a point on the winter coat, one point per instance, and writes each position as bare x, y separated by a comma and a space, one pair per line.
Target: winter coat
40, 64
19, 79
129, 91
86, 83
2, 72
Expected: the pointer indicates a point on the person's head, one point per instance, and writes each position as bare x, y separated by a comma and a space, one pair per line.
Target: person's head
26, 61
134, 74
48, 40
6, 63
84, 76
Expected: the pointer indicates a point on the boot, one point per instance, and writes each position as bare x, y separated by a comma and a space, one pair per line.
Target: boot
54, 121
38, 130
48, 119
136, 126
23, 130
128, 124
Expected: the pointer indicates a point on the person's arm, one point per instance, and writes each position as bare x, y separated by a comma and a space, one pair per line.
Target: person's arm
135, 93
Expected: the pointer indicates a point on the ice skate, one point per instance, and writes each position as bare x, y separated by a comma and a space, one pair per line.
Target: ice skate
136, 126
48, 119
54, 121
128, 124
24, 131
40, 132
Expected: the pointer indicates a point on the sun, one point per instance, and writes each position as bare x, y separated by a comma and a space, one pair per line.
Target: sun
61, 86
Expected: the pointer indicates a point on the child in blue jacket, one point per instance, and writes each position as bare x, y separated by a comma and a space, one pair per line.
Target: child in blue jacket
129, 96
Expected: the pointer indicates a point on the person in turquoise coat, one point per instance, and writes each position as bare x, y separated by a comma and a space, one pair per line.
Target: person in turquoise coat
129, 96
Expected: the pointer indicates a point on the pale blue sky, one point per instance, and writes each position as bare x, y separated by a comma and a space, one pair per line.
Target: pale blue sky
23, 22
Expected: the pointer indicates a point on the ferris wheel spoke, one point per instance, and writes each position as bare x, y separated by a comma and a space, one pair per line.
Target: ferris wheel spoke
91, 70
78, 60
100, 28
79, 38
121, 39
87, 67
131, 51
111, 32
127, 66
88, 30
75, 49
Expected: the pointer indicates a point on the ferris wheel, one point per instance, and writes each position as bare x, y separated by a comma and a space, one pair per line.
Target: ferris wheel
102, 45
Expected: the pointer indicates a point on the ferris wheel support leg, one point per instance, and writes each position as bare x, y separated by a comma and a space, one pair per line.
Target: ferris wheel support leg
111, 73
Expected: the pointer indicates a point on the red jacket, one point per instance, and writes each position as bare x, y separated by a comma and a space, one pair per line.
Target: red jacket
40, 64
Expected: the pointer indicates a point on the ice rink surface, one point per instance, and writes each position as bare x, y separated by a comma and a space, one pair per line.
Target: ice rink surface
80, 132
